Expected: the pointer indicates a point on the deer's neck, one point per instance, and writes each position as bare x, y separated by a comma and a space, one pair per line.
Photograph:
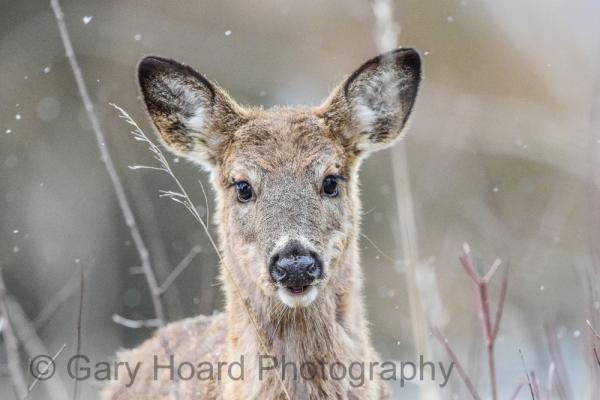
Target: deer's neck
333, 325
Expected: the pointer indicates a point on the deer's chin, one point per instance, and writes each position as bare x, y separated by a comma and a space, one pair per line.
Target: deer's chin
292, 298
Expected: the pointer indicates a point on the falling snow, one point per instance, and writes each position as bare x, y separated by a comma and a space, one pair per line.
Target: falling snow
137, 37
227, 33
46, 70
87, 19
18, 117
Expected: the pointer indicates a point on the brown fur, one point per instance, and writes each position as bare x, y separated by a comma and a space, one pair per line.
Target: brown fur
284, 153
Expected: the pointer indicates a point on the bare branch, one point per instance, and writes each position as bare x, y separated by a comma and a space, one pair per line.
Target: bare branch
465, 260
33, 346
136, 324
492, 271
12, 345
60, 298
52, 306
183, 264
461, 371
490, 331
117, 185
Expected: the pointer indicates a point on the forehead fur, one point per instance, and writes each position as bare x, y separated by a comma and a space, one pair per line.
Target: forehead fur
284, 140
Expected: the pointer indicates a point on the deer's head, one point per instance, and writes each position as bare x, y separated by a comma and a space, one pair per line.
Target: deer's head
285, 177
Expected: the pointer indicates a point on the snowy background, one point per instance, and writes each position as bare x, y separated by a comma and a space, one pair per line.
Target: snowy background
503, 153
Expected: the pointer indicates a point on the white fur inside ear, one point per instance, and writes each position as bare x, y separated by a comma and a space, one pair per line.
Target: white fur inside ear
365, 116
196, 121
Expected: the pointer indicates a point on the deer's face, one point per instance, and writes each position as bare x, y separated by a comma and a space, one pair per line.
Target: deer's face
285, 178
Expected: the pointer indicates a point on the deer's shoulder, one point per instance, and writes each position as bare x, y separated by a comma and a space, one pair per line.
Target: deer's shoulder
157, 360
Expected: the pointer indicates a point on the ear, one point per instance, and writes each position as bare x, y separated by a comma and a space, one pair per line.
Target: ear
193, 116
370, 109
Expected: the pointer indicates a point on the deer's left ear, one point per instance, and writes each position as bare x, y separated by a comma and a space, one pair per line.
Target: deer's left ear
370, 109
193, 116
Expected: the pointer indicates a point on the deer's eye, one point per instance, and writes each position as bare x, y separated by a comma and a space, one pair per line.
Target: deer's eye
330, 186
244, 191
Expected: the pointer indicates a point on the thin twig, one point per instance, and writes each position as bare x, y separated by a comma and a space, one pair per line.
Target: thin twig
45, 370
459, 367
377, 249
79, 325
183, 264
597, 336
181, 196
594, 331
12, 345
117, 185
527, 375
536, 385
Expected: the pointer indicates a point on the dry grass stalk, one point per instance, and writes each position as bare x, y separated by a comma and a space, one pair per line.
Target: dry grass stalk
386, 35
181, 196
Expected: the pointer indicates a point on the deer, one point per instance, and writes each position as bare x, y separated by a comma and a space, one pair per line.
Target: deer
288, 218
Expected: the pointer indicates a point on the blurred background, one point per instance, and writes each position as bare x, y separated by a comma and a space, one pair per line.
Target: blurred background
503, 152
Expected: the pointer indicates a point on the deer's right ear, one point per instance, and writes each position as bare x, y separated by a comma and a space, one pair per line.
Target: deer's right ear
193, 116
370, 109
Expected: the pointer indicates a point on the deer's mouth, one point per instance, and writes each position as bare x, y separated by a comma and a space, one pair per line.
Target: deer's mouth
297, 290
298, 296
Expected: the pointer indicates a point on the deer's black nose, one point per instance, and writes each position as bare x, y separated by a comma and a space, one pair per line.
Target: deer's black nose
295, 267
